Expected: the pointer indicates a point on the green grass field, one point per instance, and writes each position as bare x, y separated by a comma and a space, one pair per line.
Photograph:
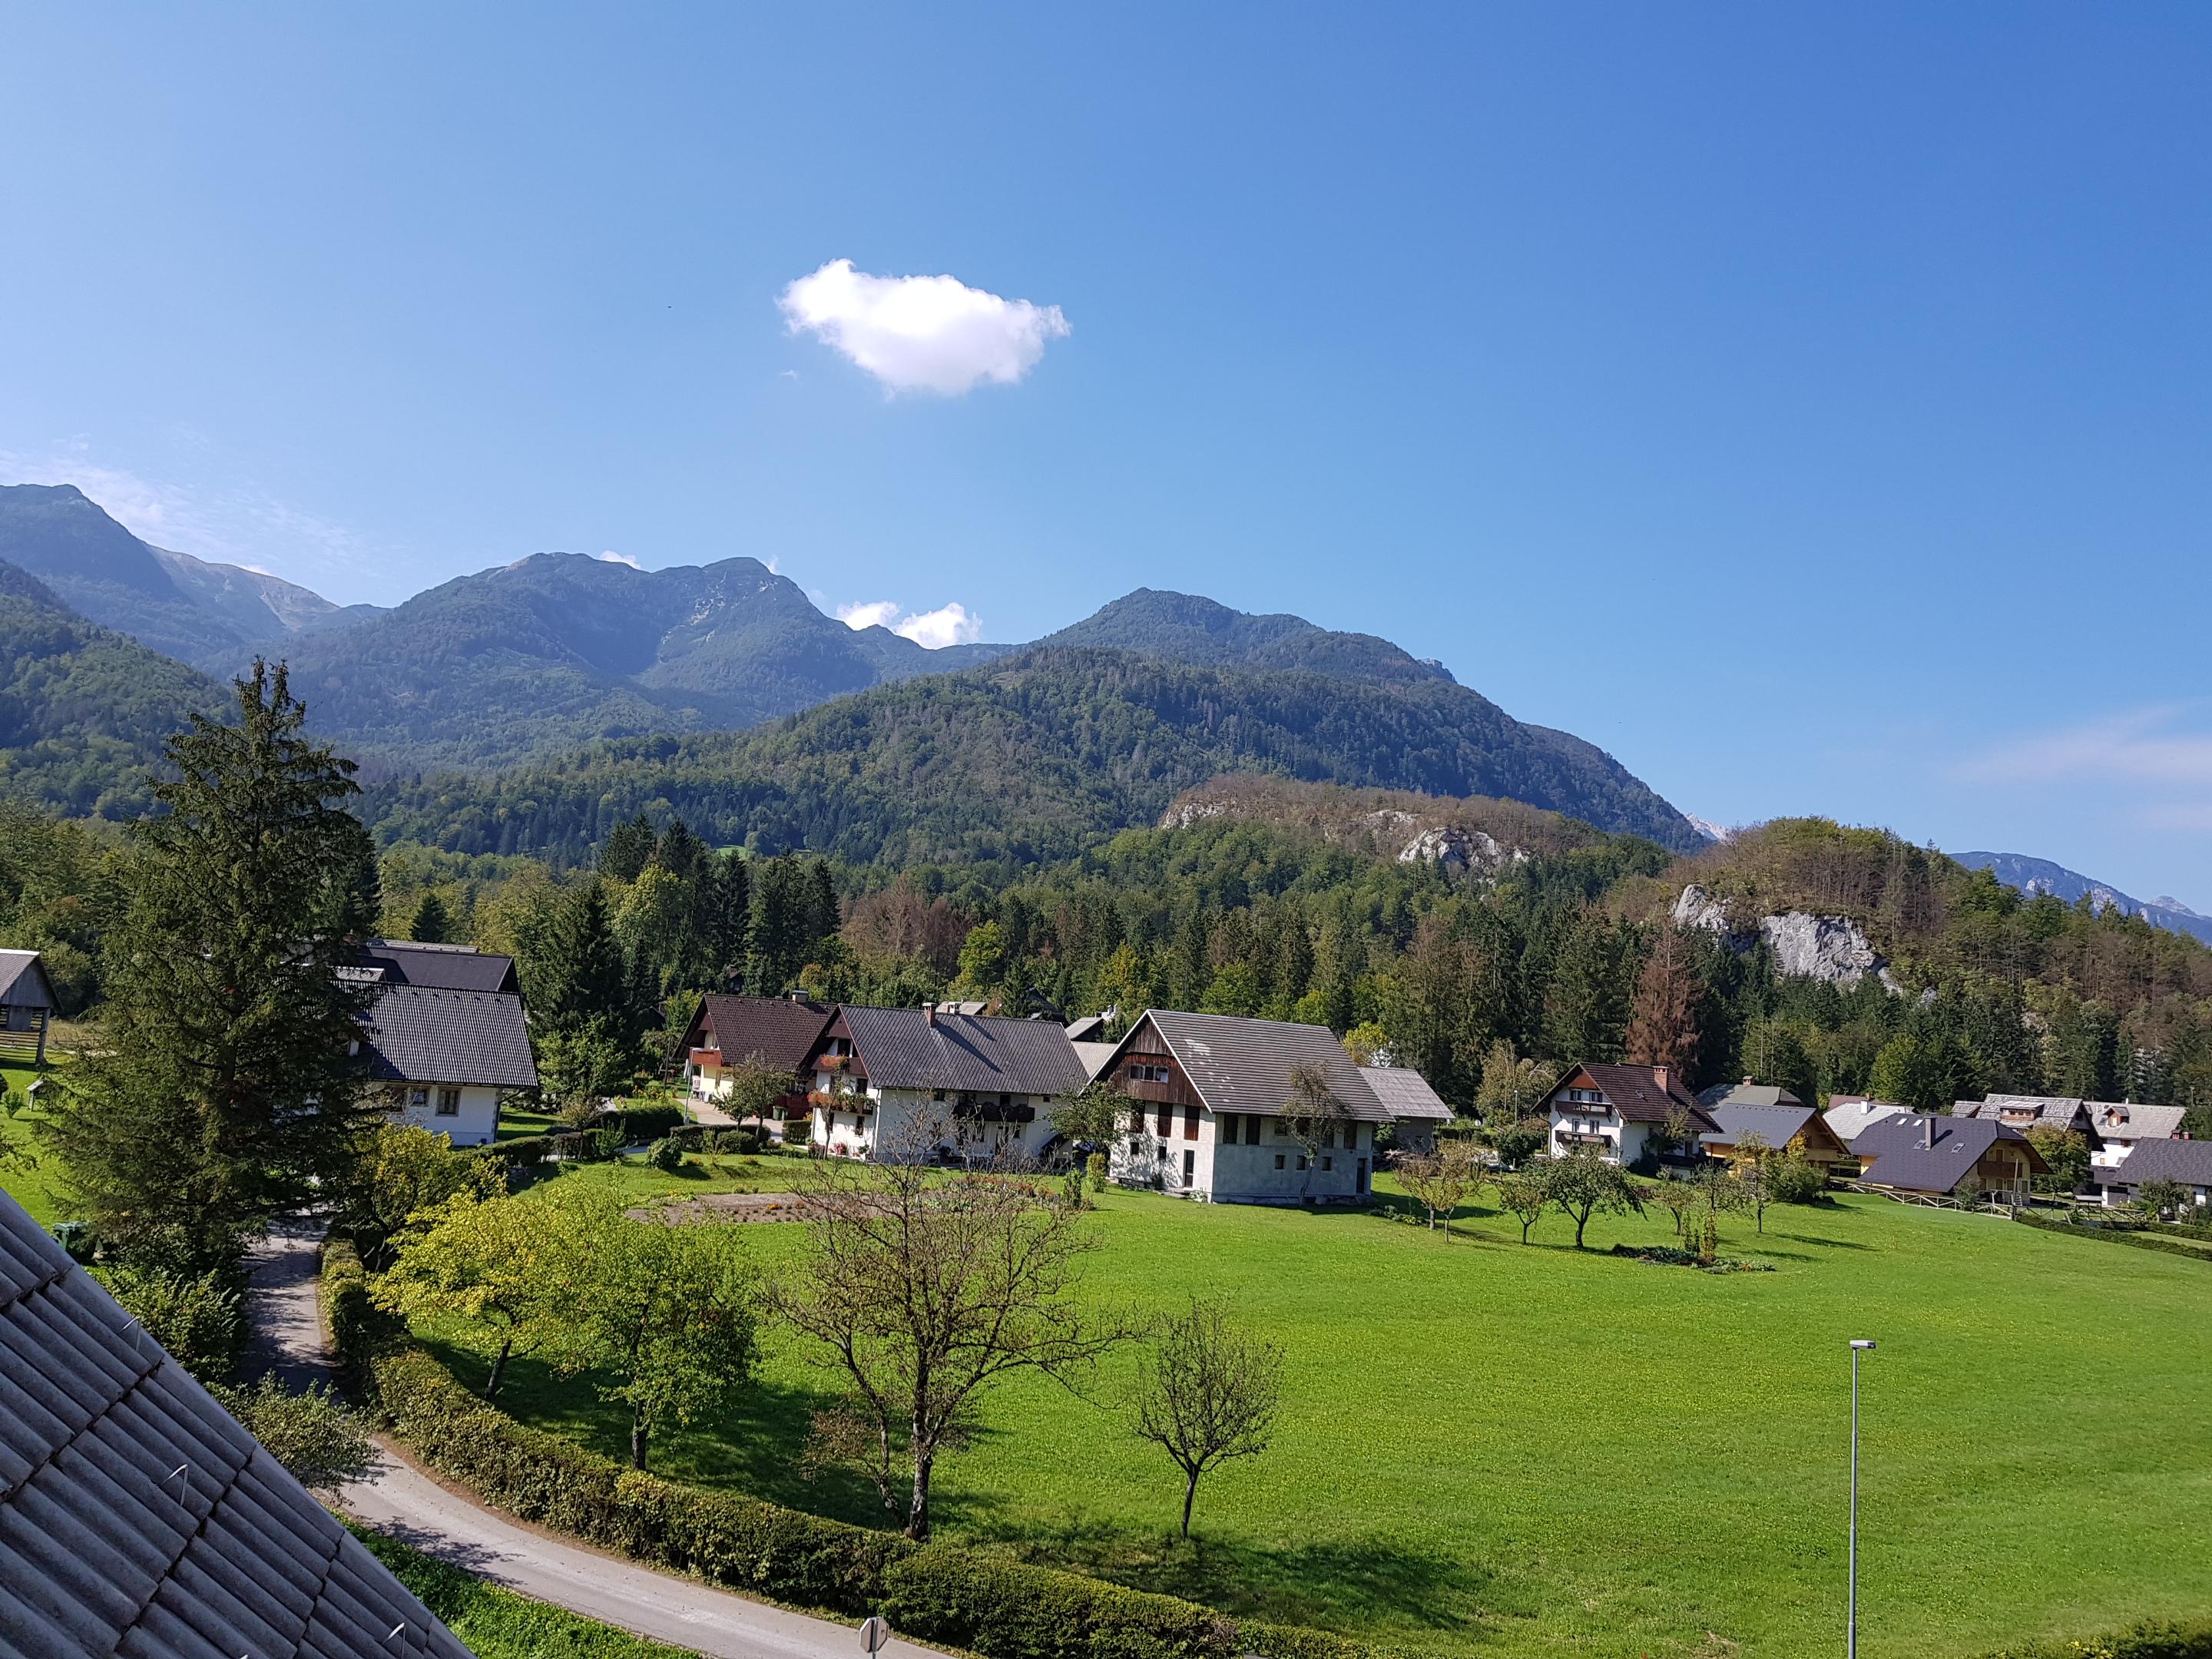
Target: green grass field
1494, 1449
640, 1184
27, 1173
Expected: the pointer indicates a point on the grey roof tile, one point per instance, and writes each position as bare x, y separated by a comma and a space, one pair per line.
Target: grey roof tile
103, 1553
1924, 1153
904, 1048
417, 1035
1244, 1066
440, 967
1406, 1095
1776, 1124
2188, 1161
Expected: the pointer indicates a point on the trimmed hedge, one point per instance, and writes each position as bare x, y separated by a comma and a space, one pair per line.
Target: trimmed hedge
988, 1603
2113, 1235
2145, 1641
522, 1149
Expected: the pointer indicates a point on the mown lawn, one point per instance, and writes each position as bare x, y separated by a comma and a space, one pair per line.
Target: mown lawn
638, 1182
1489, 1448
27, 1174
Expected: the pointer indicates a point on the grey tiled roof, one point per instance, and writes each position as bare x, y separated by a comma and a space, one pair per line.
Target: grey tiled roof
1849, 1115
1746, 1094
1895, 1152
902, 1049
23, 982
2188, 1161
139, 1520
442, 967
1239, 1065
2125, 1120
783, 1033
413, 1035
1406, 1095
1776, 1124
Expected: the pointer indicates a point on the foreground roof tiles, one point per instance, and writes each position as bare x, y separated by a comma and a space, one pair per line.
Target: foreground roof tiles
138, 1519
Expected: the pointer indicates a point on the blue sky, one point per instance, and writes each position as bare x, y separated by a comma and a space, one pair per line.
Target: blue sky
1809, 405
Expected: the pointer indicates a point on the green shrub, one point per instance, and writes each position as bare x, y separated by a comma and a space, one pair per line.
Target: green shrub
1005, 1609
200, 1319
2142, 1241
522, 1150
358, 1328
666, 1155
644, 1123
1795, 1181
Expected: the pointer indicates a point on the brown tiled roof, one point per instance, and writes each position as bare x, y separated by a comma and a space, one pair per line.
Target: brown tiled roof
1634, 1093
783, 1033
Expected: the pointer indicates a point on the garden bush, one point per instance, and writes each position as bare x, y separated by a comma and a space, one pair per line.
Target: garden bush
644, 1123
200, 1319
991, 1604
2142, 1241
666, 1155
1795, 1180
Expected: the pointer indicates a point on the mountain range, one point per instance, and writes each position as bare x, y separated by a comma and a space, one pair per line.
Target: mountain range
2033, 875
562, 665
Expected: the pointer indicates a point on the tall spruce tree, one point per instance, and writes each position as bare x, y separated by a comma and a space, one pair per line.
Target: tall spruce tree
433, 924
224, 1090
785, 917
627, 847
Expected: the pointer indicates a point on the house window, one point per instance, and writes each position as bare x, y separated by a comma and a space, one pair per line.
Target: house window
1166, 1120
1140, 1073
1190, 1123
1328, 1164
1279, 1160
418, 1097
1350, 1137
1328, 1137
449, 1102
1136, 1146
1302, 1160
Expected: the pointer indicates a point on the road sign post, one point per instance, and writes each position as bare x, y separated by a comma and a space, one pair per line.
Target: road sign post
875, 1636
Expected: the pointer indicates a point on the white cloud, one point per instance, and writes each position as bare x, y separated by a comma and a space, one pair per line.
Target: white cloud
612, 557
922, 333
949, 624
2141, 746
876, 613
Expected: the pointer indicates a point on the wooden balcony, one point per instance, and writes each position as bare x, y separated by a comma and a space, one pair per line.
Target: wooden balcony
706, 1057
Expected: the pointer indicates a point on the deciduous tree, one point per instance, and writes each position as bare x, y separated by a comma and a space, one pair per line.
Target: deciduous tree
503, 1265
1205, 1392
1442, 1180
1583, 1184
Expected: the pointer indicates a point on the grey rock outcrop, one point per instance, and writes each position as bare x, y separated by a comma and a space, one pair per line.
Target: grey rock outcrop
1834, 949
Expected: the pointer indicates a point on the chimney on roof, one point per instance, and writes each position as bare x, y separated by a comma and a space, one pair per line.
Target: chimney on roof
929, 1013
1746, 1083
1928, 1133
1659, 1077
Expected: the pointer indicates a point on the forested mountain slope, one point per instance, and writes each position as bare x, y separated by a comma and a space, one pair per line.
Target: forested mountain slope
1186, 628
217, 617
83, 710
558, 650
1028, 759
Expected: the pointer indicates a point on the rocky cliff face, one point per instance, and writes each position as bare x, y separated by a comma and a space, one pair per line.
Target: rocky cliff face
1805, 946
1435, 837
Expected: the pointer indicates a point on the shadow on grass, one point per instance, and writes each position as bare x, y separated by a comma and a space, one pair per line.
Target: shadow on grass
1375, 1580
1825, 1243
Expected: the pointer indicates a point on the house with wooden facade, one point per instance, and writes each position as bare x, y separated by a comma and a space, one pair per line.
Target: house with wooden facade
26, 1006
1622, 1113
920, 1082
776, 1034
1219, 1114
2063, 1113
1941, 1156
1797, 1130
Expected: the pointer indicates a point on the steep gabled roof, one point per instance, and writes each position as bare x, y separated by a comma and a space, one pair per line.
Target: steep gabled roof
439, 967
1636, 1093
973, 1053
1746, 1093
415, 1035
23, 981
1240, 1065
139, 1520
1849, 1115
1921, 1153
783, 1033
2126, 1121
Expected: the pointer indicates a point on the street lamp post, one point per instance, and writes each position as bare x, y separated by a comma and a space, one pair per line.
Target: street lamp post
1859, 1346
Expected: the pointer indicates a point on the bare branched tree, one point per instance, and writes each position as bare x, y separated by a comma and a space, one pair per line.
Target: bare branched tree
1312, 1115
1206, 1394
923, 1288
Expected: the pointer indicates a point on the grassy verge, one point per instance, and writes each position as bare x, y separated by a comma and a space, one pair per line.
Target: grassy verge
497, 1624
27, 1173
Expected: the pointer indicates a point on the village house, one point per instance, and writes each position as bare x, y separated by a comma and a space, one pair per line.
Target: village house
26, 1006
1796, 1129
775, 1034
2065, 1113
445, 1036
1416, 1109
2124, 1125
1218, 1114
1849, 1116
1622, 1113
923, 1082
1746, 1093
2186, 1164
1938, 1157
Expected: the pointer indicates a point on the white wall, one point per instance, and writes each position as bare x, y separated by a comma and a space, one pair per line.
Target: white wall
1241, 1174
897, 1109
476, 1124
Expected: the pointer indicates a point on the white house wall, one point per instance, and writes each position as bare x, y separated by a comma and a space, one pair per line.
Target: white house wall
1241, 1174
899, 1111
476, 1124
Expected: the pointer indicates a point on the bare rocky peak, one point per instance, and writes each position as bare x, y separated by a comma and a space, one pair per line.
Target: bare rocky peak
1834, 949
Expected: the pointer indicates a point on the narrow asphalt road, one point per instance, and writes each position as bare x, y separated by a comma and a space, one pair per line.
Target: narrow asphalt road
402, 1501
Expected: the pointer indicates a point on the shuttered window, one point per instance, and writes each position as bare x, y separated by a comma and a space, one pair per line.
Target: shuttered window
1167, 1120
1190, 1123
